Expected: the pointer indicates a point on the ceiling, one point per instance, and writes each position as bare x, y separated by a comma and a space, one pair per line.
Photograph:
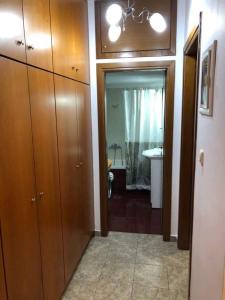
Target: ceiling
139, 78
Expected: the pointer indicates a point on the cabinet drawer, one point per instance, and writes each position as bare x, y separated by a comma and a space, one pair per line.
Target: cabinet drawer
12, 42
38, 33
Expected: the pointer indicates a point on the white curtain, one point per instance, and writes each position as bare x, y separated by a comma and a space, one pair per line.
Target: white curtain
144, 129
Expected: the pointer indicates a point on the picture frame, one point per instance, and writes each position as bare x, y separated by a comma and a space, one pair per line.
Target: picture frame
208, 64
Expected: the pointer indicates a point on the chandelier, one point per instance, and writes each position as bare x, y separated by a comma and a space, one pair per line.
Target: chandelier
116, 16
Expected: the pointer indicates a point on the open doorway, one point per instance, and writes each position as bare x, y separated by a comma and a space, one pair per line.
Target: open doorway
134, 104
115, 153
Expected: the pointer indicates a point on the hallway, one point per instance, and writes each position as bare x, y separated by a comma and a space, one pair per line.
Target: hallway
128, 266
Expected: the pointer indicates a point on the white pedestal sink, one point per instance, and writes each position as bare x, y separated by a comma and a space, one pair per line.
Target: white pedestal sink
156, 157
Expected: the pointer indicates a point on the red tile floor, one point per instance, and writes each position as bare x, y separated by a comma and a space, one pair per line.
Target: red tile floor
131, 211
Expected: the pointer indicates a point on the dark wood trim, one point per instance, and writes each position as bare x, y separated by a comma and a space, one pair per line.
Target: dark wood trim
168, 142
188, 137
159, 52
188, 142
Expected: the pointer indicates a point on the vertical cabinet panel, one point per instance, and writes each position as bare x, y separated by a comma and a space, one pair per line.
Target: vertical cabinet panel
85, 161
63, 36
47, 180
88, 165
38, 33
3, 294
81, 42
69, 171
20, 236
12, 42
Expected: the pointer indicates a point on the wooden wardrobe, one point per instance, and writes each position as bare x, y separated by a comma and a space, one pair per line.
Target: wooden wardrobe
46, 185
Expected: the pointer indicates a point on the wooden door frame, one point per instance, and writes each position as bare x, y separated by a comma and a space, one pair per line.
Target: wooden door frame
188, 162
102, 69
186, 206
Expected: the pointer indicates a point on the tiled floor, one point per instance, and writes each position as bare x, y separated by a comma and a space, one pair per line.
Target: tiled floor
127, 266
131, 211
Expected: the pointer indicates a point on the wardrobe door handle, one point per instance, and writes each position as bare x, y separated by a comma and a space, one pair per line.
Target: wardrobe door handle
75, 69
77, 166
33, 199
41, 195
19, 43
30, 47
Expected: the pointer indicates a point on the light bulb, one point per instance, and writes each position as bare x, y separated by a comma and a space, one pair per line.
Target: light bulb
114, 14
158, 22
114, 33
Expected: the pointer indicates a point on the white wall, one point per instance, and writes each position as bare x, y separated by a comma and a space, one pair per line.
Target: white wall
209, 211
177, 110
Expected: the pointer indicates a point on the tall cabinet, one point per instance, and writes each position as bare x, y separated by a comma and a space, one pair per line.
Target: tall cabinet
12, 40
46, 184
43, 117
19, 223
38, 33
69, 176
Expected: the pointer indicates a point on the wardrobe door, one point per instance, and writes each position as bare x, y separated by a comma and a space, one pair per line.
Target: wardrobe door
85, 161
47, 180
63, 16
69, 171
12, 43
3, 295
18, 210
38, 33
81, 43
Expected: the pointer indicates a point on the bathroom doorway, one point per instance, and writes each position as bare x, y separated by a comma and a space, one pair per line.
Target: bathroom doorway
135, 135
134, 110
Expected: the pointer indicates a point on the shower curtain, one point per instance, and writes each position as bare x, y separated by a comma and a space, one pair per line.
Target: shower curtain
144, 129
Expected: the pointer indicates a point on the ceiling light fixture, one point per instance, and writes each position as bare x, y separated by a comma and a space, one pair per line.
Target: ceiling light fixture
114, 33
117, 16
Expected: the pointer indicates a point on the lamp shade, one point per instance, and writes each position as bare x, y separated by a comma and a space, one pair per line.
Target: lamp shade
114, 14
158, 22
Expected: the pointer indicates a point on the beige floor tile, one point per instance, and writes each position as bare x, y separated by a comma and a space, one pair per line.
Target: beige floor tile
147, 256
100, 239
117, 272
112, 265
80, 290
178, 278
72, 292
143, 292
150, 239
178, 295
179, 258
96, 251
152, 275
89, 271
151, 253
127, 239
108, 290
122, 253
